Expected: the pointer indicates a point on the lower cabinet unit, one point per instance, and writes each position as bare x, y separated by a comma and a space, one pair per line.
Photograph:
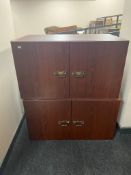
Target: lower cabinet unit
71, 119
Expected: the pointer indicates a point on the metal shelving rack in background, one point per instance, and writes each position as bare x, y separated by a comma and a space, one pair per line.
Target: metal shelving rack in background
102, 25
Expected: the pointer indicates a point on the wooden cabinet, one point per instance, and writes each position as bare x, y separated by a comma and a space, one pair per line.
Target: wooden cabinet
70, 84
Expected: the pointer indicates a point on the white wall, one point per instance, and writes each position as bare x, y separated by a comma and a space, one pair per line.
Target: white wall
10, 104
125, 117
32, 16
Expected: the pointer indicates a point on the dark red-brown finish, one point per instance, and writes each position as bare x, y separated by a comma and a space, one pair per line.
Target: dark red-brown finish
88, 104
104, 64
99, 118
35, 64
43, 117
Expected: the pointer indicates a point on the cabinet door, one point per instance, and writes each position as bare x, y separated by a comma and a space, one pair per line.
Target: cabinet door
48, 119
42, 69
94, 119
96, 69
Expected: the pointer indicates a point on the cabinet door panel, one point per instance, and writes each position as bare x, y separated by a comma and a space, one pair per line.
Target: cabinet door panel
48, 119
36, 64
98, 117
103, 62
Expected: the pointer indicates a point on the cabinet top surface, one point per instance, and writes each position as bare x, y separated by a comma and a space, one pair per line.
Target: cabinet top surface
69, 38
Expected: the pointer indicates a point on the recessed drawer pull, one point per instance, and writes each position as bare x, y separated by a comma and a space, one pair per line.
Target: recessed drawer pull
79, 74
60, 74
64, 123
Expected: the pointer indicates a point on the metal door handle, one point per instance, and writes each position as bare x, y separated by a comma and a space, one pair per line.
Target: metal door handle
60, 74
63, 123
79, 74
78, 123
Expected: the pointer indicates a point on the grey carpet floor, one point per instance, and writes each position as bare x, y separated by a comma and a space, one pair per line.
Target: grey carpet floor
70, 157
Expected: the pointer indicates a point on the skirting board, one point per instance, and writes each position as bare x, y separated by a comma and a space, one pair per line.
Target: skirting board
124, 130
11, 146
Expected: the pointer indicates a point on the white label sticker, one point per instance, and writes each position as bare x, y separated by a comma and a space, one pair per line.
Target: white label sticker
19, 47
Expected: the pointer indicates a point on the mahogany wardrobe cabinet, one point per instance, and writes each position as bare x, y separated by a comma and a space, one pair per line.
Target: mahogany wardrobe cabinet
70, 84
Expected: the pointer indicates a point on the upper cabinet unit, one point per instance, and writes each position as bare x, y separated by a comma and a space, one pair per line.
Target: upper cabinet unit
72, 69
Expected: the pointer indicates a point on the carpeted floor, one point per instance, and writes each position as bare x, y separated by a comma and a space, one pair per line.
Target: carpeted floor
70, 157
